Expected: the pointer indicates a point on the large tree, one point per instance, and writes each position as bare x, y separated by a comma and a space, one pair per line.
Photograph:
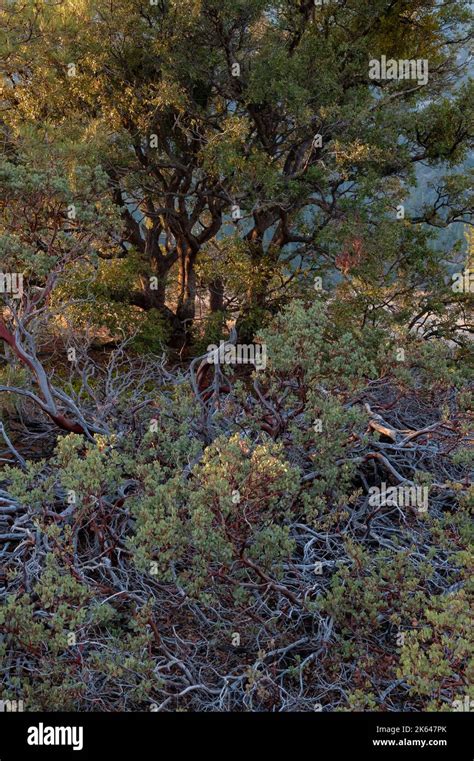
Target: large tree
259, 113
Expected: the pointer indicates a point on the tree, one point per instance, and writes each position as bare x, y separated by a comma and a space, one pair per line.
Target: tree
260, 114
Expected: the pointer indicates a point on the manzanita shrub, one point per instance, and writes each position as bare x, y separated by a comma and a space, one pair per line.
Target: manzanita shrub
226, 552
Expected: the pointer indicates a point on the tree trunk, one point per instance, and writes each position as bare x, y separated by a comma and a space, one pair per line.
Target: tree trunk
154, 290
186, 309
216, 296
256, 296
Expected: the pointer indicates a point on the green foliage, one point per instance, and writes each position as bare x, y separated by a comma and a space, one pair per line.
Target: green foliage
240, 494
302, 343
439, 648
